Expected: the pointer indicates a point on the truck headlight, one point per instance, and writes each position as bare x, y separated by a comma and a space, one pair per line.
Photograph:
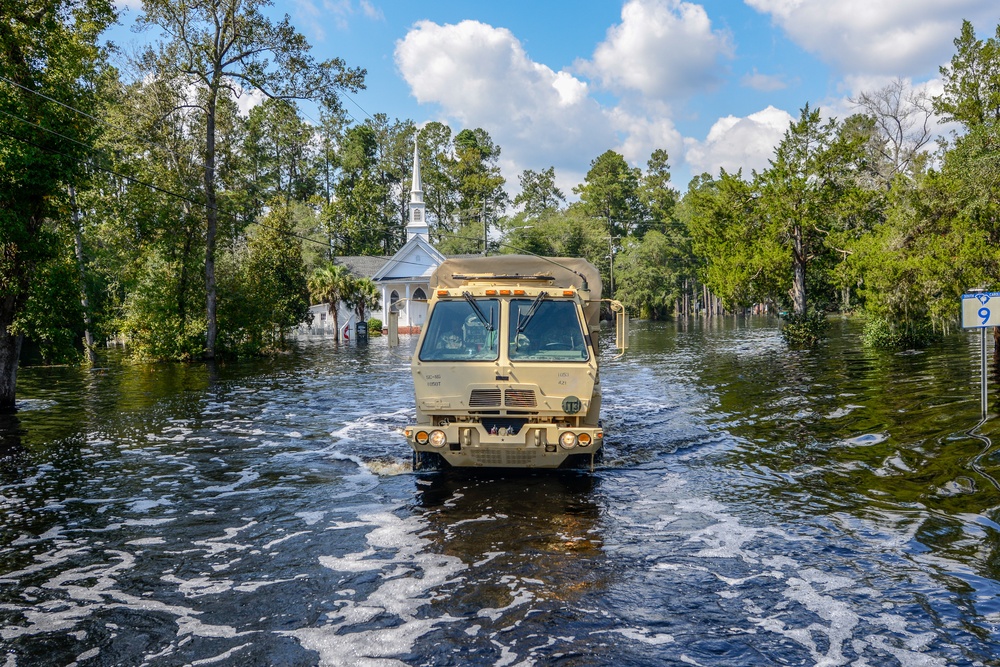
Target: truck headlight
567, 439
438, 439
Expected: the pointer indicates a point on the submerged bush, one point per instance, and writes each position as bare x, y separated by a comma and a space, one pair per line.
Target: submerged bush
374, 327
881, 334
804, 330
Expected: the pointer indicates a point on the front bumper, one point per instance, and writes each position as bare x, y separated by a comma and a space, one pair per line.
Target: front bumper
466, 445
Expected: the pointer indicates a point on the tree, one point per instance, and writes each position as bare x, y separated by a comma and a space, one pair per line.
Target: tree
795, 196
49, 64
971, 80
331, 284
647, 276
739, 262
902, 119
437, 170
362, 295
357, 214
656, 194
610, 191
479, 182
269, 284
224, 47
539, 195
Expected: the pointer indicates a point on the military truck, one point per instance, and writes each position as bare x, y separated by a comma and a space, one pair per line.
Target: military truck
506, 368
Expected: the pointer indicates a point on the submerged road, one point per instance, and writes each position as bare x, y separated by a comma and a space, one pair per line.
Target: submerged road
756, 506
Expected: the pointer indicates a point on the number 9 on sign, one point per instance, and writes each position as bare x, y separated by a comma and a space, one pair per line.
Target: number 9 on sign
980, 309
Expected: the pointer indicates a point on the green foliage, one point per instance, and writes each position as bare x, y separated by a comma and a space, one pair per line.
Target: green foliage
374, 326
610, 191
362, 295
804, 330
539, 195
51, 65
155, 324
880, 333
53, 314
330, 284
267, 289
971, 80
647, 275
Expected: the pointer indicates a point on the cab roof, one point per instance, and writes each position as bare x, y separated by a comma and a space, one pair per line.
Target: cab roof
564, 271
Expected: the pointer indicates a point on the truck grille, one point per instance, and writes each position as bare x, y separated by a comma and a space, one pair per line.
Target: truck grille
520, 398
484, 398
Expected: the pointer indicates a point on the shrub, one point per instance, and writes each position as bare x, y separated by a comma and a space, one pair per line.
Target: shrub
881, 334
374, 327
804, 330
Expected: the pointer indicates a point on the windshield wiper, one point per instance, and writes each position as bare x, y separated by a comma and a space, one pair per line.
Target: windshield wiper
523, 324
488, 323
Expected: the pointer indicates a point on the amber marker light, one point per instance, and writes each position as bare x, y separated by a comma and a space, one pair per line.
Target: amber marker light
421, 437
584, 439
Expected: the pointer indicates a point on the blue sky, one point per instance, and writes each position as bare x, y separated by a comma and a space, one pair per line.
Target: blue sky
557, 83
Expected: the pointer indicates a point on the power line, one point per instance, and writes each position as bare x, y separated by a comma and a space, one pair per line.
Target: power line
164, 191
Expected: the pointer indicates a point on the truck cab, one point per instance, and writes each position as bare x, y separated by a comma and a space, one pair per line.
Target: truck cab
505, 372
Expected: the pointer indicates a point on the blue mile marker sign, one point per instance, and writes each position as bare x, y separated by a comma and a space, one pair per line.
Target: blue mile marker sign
980, 310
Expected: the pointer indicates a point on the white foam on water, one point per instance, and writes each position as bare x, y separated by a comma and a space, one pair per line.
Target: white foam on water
92, 589
246, 476
644, 636
410, 574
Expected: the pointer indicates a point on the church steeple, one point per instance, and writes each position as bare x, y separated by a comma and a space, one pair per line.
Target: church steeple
417, 225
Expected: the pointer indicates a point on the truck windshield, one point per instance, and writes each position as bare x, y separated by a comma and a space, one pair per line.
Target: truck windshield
462, 330
552, 333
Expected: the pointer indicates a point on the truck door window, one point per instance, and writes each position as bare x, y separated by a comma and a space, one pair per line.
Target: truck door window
552, 333
462, 331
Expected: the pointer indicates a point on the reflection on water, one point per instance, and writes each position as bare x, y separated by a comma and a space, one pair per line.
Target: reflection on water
757, 506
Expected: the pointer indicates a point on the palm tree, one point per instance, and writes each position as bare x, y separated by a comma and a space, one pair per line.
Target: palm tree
363, 295
331, 284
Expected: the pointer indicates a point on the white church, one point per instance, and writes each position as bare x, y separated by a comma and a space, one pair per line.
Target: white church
403, 279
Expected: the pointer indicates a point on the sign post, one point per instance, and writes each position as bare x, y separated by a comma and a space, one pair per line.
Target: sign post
981, 309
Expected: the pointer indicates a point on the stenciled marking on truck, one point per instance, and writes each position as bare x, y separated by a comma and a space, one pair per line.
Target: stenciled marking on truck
571, 405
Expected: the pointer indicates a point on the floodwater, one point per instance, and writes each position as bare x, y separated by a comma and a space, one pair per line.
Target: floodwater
756, 506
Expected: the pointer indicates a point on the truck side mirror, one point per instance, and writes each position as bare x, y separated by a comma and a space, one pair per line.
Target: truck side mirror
621, 330
393, 329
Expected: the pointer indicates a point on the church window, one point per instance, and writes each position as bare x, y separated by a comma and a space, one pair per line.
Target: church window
418, 295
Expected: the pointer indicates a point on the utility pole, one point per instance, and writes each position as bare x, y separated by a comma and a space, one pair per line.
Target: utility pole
486, 228
611, 256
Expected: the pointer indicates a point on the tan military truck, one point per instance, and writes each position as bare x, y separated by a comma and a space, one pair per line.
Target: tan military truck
506, 368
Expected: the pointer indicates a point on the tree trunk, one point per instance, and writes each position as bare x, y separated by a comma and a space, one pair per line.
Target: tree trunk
213, 222
88, 338
799, 265
10, 352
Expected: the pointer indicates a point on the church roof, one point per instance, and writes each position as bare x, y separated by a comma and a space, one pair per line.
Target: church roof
362, 265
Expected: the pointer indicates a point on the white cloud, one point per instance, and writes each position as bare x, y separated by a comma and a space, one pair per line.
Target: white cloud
663, 49
735, 143
338, 12
893, 37
480, 76
371, 11
765, 83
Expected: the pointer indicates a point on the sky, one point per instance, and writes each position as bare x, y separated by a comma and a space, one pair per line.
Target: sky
556, 83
